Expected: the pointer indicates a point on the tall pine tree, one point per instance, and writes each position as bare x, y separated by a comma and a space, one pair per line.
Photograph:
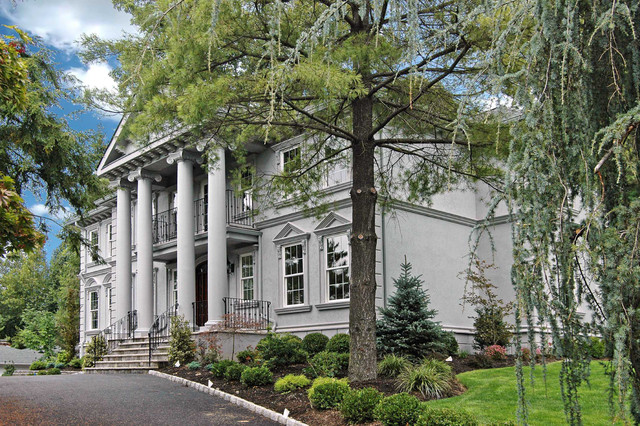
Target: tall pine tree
407, 327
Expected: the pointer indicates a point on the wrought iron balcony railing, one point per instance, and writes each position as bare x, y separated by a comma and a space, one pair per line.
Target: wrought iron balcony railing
239, 211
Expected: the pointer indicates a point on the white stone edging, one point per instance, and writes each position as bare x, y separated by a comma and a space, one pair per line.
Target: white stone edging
270, 414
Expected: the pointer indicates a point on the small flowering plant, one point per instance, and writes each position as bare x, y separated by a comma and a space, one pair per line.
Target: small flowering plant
526, 354
496, 352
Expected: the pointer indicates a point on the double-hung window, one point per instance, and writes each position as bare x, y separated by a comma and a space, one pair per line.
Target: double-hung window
337, 266
93, 239
93, 309
292, 160
293, 274
246, 276
111, 237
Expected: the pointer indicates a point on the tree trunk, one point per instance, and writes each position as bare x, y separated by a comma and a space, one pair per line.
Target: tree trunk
362, 313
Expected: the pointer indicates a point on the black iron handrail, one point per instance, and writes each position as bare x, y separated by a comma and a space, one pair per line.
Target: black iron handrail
200, 215
161, 328
165, 227
240, 209
120, 330
246, 314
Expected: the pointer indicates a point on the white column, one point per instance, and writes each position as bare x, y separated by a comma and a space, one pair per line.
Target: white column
217, 285
123, 252
144, 252
186, 241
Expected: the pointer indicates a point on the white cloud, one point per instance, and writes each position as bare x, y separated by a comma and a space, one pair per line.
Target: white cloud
42, 210
61, 23
39, 210
96, 76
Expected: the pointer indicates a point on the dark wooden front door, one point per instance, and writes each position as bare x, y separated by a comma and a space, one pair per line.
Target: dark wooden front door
201, 294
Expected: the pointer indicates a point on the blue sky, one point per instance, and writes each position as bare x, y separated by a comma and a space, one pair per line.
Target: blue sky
59, 24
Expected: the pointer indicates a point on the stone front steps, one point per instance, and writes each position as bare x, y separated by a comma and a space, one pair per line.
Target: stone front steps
132, 356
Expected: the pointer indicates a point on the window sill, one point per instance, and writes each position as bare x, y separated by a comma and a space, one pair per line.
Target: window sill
341, 304
292, 309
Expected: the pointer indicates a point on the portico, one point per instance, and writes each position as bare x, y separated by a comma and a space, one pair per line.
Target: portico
140, 187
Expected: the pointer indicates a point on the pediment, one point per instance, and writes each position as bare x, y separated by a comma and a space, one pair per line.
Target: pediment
290, 232
333, 222
117, 148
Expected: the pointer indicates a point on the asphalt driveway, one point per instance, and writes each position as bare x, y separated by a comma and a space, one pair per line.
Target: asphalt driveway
113, 399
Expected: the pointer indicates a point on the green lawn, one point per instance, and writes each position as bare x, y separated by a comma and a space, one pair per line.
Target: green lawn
492, 396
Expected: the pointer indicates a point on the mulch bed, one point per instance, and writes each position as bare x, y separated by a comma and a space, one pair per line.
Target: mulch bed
297, 402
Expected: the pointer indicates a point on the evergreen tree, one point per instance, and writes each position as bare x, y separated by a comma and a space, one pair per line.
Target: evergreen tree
407, 327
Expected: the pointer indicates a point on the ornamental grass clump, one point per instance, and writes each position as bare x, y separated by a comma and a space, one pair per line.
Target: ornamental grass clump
357, 405
432, 379
392, 365
398, 410
193, 365
291, 382
327, 393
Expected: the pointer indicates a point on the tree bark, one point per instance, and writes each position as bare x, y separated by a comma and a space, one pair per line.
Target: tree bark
362, 313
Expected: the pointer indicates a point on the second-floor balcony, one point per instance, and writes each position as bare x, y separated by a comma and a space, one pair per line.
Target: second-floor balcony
239, 212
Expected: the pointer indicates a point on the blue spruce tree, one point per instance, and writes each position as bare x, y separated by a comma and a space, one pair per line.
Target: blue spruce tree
407, 327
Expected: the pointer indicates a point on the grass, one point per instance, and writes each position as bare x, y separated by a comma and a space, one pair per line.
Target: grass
492, 396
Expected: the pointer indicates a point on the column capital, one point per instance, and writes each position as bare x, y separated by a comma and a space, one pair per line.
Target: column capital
140, 173
121, 183
184, 155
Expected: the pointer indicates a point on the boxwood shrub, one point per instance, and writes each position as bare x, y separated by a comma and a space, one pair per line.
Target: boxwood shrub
314, 343
446, 417
281, 349
291, 382
38, 365
326, 392
256, 376
234, 371
398, 410
339, 343
357, 405
219, 368
328, 364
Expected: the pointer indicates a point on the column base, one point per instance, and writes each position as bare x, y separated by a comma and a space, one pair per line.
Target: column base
213, 323
141, 332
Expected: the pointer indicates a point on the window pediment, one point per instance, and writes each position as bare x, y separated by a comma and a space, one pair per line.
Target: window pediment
290, 233
333, 223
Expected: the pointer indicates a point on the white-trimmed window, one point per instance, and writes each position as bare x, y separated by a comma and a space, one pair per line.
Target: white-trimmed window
246, 276
293, 274
93, 239
337, 167
93, 310
111, 240
291, 159
173, 286
337, 266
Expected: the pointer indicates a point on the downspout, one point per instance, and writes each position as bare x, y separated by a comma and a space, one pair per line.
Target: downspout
384, 250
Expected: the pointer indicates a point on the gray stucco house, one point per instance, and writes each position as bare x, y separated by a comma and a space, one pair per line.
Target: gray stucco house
173, 232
